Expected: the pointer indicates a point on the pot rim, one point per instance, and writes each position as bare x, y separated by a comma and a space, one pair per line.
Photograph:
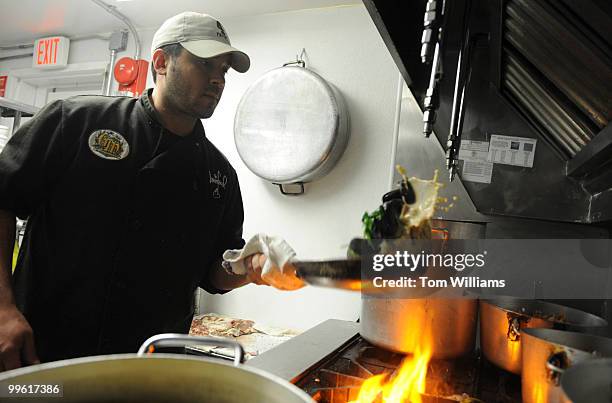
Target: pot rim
8, 375
572, 340
507, 304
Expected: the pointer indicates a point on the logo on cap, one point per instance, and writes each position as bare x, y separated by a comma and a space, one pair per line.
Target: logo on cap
221, 32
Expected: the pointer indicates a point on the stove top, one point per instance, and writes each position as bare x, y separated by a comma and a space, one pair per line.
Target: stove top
331, 361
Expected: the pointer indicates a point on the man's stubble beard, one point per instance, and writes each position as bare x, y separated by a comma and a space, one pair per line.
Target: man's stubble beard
176, 90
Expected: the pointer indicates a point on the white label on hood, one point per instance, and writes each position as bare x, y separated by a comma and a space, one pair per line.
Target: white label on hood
509, 150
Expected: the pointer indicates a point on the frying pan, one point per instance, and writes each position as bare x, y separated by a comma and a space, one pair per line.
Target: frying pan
346, 274
341, 273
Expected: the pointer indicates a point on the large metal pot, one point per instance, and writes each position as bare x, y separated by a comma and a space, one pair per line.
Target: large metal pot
447, 326
588, 382
291, 126
156, 378
548, 353
502, 320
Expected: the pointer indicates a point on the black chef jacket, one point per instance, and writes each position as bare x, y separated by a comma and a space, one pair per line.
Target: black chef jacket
123, 224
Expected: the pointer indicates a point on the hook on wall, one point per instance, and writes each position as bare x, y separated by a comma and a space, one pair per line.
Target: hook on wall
299, 59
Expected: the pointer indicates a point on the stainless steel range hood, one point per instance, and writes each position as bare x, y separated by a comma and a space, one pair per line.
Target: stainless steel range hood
536, 69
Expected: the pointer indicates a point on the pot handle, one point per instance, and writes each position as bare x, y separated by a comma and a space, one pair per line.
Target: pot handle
514, 327
290, 193
556, 365
182, 340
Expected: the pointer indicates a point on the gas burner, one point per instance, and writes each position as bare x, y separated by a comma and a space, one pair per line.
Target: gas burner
340, 377
331, 362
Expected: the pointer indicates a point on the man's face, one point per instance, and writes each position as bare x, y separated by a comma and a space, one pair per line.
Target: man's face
194, 85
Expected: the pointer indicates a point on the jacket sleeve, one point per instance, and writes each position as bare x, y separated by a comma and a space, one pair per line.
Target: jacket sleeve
230, 236
32, 161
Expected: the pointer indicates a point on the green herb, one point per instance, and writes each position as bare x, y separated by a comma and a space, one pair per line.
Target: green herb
368, 220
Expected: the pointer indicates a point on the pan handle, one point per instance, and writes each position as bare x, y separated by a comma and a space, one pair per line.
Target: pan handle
182, 340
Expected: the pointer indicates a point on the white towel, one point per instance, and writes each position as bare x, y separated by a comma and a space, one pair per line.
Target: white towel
277, 271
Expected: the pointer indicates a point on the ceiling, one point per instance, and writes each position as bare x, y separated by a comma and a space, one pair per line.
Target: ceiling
22, 21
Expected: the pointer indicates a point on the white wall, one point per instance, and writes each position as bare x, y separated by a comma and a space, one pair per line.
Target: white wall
343, 46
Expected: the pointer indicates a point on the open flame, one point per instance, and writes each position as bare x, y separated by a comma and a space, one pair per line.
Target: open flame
408, 383
406, 386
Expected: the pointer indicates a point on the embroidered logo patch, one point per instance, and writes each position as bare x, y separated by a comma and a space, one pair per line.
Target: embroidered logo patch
220, 181
109, 145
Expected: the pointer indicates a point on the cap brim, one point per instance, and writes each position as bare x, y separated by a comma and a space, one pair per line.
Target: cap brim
207, 48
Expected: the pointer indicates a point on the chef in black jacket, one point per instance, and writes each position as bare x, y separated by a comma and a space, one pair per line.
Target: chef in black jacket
129, 208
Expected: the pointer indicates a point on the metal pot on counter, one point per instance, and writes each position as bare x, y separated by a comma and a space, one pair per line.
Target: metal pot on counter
446, 325
124, 378
400, 324
502, 320
548, 353
404, 325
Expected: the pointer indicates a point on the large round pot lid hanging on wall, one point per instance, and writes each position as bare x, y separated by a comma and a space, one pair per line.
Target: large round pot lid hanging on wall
291, 126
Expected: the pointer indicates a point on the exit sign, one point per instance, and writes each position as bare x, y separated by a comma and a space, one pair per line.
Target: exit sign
51, 52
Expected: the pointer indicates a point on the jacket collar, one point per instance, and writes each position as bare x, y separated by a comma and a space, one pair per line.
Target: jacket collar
145, 100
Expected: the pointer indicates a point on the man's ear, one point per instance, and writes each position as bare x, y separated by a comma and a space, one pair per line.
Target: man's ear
160, 62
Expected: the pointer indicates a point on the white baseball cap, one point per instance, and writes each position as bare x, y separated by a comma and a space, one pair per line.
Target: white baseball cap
202, 35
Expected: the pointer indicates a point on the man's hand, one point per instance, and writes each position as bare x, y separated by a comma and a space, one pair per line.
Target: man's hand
16, 340
254, 265
285, 279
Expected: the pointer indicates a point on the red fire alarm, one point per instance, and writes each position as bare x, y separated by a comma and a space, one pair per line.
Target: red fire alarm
131, 75
3, 85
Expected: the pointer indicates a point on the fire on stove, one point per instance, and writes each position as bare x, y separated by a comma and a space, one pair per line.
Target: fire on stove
360, 372
408, 382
